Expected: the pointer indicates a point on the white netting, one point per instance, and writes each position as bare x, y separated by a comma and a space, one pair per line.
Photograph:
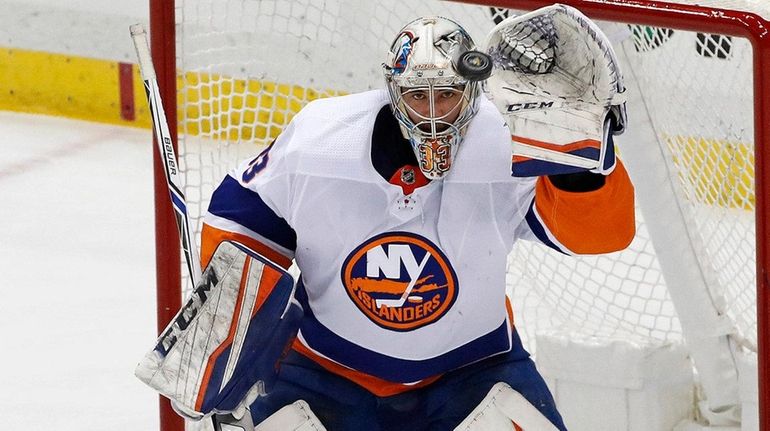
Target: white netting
709, 132
698, 91
246, 66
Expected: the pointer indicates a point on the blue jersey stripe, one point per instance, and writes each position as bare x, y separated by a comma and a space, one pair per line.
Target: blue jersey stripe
238, 204
340, 350
538, 229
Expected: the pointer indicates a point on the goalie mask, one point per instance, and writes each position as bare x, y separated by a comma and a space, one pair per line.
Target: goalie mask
433, 73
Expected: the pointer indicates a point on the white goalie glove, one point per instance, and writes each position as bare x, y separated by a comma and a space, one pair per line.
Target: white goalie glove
558, 84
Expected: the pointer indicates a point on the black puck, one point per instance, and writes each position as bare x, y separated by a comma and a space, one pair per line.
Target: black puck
474, 65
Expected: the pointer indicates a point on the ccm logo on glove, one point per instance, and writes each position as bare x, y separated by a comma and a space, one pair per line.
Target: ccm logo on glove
515, 107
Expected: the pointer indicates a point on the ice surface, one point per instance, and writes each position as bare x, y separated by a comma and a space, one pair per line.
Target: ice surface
77, 304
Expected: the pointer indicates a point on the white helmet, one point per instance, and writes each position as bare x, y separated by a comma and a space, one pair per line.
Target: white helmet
434, 56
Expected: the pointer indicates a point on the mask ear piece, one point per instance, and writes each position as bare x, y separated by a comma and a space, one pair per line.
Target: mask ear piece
474, 65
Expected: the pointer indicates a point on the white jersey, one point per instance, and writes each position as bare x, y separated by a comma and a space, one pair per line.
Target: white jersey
398, 287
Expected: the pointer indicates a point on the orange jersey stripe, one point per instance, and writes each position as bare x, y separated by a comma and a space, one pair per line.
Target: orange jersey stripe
211, 237
375, 385
599, 221
509, 309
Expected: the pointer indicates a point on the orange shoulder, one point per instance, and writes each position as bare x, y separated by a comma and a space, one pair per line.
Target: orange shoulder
599, 221
211, 237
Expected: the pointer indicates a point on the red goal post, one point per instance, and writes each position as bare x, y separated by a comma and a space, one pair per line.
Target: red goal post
168, 272
751, 26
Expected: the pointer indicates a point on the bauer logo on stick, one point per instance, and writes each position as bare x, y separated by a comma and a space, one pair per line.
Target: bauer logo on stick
169, 148
400, 281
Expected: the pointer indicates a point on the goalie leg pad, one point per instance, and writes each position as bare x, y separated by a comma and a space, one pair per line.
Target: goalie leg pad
504, 409
221, 350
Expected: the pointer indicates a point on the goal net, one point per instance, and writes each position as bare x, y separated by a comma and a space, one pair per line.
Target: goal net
245, 67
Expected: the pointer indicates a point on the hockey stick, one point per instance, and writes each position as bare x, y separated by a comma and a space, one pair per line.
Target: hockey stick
166, 148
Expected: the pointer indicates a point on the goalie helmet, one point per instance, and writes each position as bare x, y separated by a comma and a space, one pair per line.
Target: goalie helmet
432, 72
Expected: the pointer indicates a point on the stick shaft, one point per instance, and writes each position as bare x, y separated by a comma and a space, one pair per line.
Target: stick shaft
166, 149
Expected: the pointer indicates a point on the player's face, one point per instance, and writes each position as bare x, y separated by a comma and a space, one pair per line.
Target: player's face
444, 106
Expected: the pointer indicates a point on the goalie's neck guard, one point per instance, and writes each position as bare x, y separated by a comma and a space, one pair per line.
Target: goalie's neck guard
432, 102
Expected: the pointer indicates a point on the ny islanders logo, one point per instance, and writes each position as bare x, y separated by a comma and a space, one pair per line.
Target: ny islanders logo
401, 281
